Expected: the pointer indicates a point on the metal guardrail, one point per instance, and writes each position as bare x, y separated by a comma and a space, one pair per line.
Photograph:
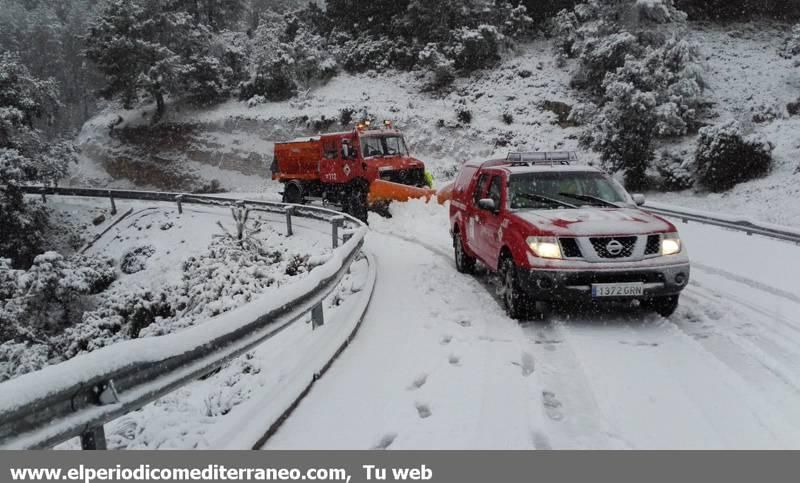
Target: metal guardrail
746, 226
77, 397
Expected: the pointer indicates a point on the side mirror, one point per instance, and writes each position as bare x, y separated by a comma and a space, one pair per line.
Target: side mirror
638, 199
487, 204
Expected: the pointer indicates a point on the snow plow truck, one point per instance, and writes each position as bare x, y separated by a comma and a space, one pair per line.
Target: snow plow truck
358, 169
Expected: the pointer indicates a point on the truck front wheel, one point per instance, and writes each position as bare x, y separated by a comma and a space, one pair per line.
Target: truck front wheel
663, 306
517, 302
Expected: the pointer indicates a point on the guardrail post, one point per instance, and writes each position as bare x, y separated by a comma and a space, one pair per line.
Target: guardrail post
179, 199
94, 439
317, 316
289, 213
336, 222
113, 204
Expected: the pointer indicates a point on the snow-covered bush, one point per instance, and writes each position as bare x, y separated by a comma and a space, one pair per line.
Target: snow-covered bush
440, 70
50, 294
602, 55
120, 315
38, 304
676, 171
474, 48
725, 156
135, 260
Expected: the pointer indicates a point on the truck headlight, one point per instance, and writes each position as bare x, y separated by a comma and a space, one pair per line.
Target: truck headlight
670, 244
544, 246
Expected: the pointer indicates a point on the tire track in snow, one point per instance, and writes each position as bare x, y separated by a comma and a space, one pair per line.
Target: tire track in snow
675, 394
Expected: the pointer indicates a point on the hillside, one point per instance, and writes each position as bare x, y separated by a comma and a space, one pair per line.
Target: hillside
232, 143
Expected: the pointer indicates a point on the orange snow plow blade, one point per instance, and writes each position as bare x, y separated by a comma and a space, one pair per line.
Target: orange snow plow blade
381, 190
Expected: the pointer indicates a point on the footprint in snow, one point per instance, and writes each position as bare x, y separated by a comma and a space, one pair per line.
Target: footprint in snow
418, 382
527, 363
446, 339
385, 441
464, 323
552, 406
540, 441
423, 410
454, 360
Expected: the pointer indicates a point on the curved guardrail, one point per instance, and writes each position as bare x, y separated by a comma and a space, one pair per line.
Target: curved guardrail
733, 223
77, 397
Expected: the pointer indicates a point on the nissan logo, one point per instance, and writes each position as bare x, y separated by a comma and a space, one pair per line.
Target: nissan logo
614, 247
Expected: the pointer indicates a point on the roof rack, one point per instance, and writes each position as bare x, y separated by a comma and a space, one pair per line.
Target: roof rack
541, 157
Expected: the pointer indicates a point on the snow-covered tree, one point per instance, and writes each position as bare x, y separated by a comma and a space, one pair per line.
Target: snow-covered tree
25, 157
623, 132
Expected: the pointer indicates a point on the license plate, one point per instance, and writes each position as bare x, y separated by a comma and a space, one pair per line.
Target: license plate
617, 289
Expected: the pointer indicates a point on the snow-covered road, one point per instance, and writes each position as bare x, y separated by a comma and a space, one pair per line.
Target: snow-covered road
437, 364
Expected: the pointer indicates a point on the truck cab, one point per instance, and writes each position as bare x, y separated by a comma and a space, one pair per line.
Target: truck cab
558, 232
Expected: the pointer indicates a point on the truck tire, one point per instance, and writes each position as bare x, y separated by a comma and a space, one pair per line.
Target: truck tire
464, 262
355, 201
293, 192
663, 306
516, 301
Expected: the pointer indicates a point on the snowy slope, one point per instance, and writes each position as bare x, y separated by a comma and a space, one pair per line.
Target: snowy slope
747, 78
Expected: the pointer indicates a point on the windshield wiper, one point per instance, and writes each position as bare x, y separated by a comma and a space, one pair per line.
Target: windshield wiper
589, 198
546, 199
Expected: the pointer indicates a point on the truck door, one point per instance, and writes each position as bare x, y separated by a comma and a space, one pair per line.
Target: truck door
330, 164
491, 223
474, 220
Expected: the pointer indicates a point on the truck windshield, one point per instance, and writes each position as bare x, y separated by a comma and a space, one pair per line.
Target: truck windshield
383, 146
563, 189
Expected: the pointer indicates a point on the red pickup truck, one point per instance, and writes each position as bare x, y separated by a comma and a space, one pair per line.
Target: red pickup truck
559, 232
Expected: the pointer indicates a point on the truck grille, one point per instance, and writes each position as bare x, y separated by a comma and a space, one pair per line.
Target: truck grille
603, 246
411, 177
653, 246
570, 248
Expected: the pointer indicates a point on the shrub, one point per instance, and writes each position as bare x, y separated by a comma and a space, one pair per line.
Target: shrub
507, 118
726, 157
440, 70
50, 296
675, 171
464, 116
473, 49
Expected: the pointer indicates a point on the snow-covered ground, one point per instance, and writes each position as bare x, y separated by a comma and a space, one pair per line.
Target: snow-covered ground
438, 364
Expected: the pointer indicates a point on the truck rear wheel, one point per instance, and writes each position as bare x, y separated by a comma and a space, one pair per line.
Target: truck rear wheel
464, 262
293, 193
